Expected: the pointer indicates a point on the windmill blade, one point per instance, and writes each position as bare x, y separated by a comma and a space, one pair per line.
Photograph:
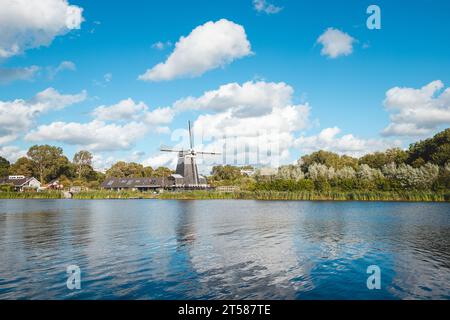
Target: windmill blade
191, 136
211, 153
169, 149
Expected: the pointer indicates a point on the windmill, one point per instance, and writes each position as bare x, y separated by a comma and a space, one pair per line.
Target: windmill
187, 163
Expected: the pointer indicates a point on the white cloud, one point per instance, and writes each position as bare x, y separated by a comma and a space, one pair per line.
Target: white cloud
207, 47
246, 100
265, 139
348, 144
11, 153
161, 45
266, 7
124, 110
8, 75
18, 115
28, 24
161, 160
107, 77
336, 43
95, 135
128, 109
63, 66
159, 116
416, 112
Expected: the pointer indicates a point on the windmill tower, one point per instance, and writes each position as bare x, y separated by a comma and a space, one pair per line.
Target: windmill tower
187, 163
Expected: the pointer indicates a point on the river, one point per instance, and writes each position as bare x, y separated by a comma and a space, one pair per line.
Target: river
223, 249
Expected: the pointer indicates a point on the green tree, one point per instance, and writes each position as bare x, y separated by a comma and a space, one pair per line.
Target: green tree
83, 163
48, 161
329, 159
148, 172
162, 172
435, 150
4, 167
377, 160
123, 169
23, 166
227, 172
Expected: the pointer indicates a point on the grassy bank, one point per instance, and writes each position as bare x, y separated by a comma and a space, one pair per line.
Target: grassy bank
103, 194
312, 195
244, 195
31, 195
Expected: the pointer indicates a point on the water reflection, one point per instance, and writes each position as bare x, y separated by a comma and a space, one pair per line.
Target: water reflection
223, 249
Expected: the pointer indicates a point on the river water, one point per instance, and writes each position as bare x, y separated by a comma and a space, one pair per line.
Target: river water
224, 249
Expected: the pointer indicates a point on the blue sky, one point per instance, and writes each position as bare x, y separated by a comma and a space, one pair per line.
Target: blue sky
341, 102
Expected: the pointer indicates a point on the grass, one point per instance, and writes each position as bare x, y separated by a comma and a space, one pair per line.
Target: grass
413, 196
31, 195
312, 195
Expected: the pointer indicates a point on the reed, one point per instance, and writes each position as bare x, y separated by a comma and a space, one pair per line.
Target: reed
413, 196
31, 195
422, 196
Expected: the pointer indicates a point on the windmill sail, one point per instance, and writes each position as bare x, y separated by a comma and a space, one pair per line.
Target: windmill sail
187, 163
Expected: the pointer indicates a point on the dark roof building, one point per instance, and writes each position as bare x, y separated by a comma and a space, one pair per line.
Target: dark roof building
142, 184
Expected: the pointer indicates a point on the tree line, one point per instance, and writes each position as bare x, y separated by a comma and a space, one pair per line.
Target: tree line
424, 166
48, 163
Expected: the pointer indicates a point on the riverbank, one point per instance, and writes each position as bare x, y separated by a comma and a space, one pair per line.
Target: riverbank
412, 196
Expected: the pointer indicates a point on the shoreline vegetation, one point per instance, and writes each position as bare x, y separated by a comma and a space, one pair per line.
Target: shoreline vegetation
401, 196
420, 173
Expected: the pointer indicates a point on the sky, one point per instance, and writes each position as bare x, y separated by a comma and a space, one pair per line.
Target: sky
263, 81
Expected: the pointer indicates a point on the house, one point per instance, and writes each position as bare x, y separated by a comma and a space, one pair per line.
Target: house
228, 189
53, 185
137, 184
21, 183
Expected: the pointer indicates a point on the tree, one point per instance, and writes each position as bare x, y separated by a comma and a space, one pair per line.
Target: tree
318, 171
162, 172
123, 169
379, 159
290, 172
435, 150
23, 166
227, 172
330, 159
83, 163
148, 172
4, 167
48, 161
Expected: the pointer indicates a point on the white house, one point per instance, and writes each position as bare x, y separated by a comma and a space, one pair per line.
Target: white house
21, 183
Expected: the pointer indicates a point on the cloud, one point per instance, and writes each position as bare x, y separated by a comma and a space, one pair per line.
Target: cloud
159, 116
161, 45
264, 6
336, 43
95, 135
8, 75
348, 144
416, 112
124, 110
161, 160
128, 109
30, 24
18, 115
63, 66
11, 153
107, 77
207, 47
246, 100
